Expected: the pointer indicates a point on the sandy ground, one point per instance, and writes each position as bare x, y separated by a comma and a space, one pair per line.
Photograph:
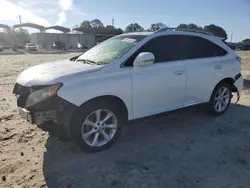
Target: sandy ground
185, 148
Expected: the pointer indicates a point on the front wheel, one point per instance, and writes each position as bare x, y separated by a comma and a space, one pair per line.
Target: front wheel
220, 99
97, 126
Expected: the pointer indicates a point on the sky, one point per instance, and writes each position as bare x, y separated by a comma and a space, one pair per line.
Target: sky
232, 15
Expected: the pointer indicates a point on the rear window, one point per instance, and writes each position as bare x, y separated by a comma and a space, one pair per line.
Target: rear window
197, 47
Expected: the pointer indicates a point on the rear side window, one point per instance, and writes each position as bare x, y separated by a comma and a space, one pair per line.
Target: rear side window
165, 48
197, 47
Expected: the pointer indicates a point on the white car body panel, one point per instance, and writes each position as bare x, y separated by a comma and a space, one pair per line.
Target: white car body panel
152, 89
111, 81
54, 72
207, 73
159, 87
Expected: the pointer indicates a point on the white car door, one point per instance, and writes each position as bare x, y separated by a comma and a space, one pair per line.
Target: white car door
160, 86
205, 68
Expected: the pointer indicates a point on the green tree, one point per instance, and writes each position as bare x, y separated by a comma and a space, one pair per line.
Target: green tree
183, 26
216, 30
96, 23
86, 24
134, 27
193, 26
246, 41
5, 38
22, 36
189, 26
118, 31
110, 26
156, 26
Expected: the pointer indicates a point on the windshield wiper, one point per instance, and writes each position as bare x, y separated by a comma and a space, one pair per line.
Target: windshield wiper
87, 61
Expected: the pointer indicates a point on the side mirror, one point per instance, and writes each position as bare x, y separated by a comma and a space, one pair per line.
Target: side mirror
144, 58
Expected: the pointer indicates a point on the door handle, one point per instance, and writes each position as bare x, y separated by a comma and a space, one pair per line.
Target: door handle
218, 66
179, 72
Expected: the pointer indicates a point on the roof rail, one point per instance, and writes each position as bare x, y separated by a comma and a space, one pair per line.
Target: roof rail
187, 30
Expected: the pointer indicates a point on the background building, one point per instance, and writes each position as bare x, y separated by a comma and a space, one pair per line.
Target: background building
45, 40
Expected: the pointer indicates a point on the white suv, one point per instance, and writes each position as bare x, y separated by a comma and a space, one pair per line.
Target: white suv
129, 76
31, 47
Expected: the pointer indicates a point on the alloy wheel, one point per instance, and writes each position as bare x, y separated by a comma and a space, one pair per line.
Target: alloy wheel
222, 99
99, 128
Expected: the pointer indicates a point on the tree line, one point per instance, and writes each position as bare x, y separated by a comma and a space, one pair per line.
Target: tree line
135, 27
17, 36
216, 30
99, 27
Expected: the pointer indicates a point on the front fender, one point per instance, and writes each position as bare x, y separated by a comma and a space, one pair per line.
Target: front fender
117, 83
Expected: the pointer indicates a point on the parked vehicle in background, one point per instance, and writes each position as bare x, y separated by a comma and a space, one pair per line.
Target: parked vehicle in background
81, 46
1, 48
20, 46
233, 45
127, 77
58, 45
245, 47
30, 47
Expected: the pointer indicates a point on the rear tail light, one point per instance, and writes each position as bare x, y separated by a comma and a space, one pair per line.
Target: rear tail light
239, 59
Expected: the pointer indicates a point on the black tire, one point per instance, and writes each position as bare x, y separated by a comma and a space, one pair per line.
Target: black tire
212, 101
83, 112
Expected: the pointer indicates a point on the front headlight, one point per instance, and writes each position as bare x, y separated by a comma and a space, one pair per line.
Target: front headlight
42, 94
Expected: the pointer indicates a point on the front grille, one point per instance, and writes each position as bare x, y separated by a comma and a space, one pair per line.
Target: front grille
22, 93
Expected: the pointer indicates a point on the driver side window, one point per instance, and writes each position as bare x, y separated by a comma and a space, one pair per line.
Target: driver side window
165, 48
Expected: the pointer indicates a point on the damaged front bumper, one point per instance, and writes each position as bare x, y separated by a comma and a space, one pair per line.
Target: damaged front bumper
52, 111
38, 117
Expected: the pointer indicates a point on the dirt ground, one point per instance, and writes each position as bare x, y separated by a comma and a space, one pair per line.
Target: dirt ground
186, 148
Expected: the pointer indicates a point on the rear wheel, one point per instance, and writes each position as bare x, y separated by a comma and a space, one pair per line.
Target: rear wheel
97, 126
220, 99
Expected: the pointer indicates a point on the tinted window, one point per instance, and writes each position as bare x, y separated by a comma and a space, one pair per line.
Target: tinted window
165, 48
197, 47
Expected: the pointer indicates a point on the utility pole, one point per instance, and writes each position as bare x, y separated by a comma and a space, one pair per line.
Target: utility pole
20, 20
113, 22
232, 36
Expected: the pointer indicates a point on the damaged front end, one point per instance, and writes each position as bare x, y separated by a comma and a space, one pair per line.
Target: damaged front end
42, 106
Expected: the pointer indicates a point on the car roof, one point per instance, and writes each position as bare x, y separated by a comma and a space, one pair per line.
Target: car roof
138, 33
177, 32
173, 31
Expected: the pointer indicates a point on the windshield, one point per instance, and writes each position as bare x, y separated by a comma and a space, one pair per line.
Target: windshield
111, 49
30, 44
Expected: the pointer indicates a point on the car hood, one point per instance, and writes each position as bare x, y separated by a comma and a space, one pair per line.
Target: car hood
54, 72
